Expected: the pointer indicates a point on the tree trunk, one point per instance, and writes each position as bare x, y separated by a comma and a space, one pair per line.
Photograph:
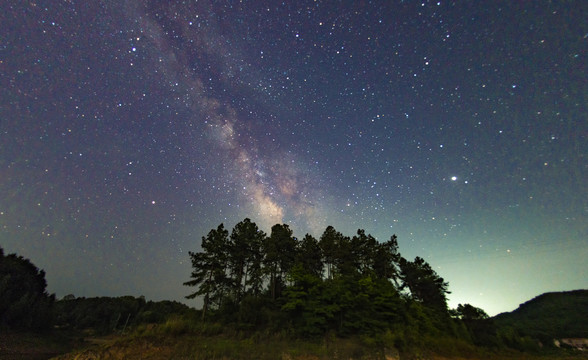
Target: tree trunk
205, 306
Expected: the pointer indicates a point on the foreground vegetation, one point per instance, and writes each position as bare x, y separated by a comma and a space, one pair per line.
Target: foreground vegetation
180, 338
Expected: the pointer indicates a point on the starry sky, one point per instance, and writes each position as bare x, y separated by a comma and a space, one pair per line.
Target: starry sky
129, 129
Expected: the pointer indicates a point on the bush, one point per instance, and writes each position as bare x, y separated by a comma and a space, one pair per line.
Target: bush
176, 326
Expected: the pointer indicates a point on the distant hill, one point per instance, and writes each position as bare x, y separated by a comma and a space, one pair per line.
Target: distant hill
549, 316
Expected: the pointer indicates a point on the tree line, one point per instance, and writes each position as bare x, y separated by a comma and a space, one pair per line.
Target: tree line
26, 305
336, 283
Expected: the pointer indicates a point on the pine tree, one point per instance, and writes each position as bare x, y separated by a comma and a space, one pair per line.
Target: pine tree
336, 251
424, 284
310, 257
246, 257
280, 255
210, 269
386, 258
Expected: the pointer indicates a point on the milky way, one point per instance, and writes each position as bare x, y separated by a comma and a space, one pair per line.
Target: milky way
129, 129
271, 179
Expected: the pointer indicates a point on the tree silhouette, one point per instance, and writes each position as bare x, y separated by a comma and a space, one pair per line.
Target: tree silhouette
424, 283
310, 257
210, 268
363, 250
246, 256
481, 328
337, 252
468, 312
280, 255
254, 280
328, 245
24, 301
386, 259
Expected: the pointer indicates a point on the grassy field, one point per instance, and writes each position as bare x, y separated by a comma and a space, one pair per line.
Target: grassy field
181, 339
177, 339
218, 347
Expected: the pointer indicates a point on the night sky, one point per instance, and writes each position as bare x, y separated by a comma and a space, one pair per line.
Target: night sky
129, 129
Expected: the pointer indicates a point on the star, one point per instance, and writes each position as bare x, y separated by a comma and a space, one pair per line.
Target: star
371, 118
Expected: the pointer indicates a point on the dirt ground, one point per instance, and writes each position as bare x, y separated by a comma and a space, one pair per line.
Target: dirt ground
29, 346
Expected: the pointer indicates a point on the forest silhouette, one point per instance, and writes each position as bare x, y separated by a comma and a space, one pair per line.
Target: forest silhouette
334, 284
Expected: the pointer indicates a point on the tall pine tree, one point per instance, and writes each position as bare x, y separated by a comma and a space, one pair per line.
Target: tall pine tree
210, 268
246, 257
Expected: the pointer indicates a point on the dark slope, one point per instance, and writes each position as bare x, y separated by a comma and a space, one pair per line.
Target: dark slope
550, 316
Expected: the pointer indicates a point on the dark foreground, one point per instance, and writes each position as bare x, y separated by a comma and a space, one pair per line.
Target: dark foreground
30, 346
153, 345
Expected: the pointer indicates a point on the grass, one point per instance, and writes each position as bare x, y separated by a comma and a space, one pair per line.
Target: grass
199, 347
180, 338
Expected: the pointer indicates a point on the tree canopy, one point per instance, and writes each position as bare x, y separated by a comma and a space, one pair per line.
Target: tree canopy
336, 283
